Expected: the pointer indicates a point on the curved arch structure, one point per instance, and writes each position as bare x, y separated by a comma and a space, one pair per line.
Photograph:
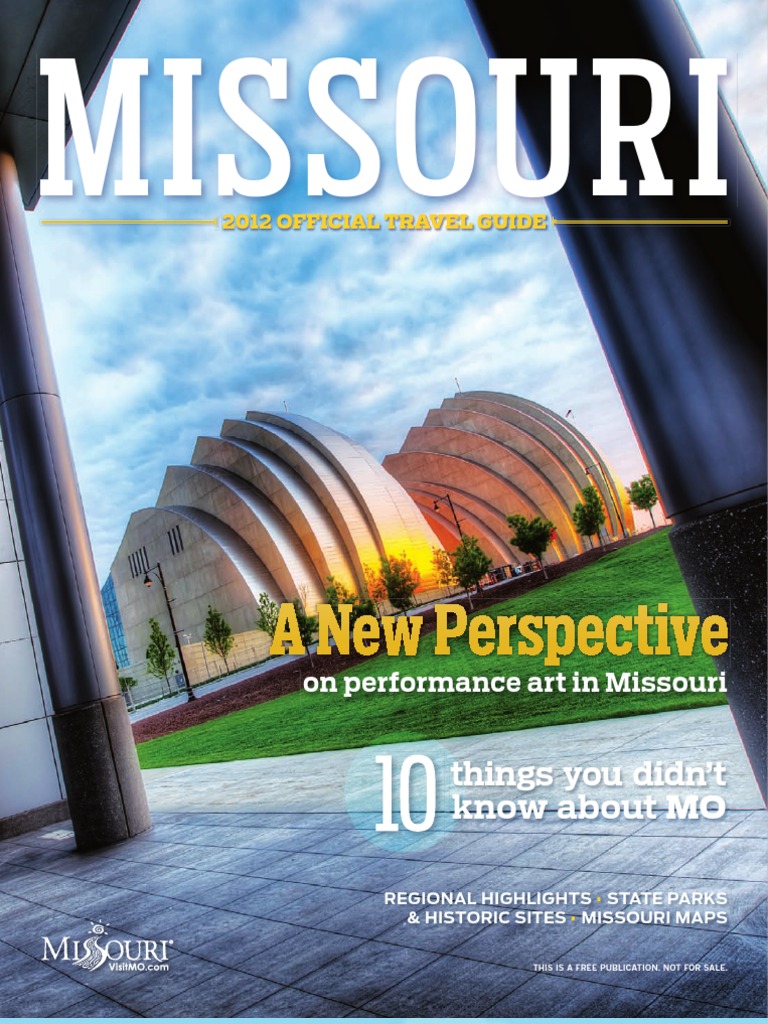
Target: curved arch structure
497, 455
275, 504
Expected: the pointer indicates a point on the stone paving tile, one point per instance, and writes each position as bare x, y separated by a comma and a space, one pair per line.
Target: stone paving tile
620, 827
230, 891
41, 995
348, 842
197, 934
438, 938
149, 915
376, 875
741, 986
142, 992
95, 1005
101, 903
365, 972
366, 919
667, 1006
317, 905
299, 955
701, 827
224, 995
660, 855
737, 859
264, 901
499, 848
646, 944
231, 948
450, 987
755, 923
565, 851
523, 945
26, 931
290, 865
443, 877
448, 846
752, 826
546, 995
290, 1002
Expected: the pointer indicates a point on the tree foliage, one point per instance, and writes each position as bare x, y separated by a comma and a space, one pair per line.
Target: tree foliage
642, 494
401, 578
531, 536
268, 613
160, 653
336, 593
218, 635
443, 566
470, 562
589, 514
377, 590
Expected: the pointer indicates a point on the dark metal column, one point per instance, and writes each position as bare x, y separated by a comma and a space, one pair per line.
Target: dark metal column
680, 310
105, 791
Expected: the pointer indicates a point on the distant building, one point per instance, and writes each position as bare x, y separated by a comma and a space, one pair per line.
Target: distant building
114, 623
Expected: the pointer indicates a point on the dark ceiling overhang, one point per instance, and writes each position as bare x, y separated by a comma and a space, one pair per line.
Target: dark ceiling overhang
88, 30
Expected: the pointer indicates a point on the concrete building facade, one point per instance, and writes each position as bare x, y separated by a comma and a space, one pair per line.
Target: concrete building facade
32, 793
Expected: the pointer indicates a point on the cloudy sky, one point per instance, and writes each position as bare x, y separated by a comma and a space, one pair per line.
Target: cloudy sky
159, 333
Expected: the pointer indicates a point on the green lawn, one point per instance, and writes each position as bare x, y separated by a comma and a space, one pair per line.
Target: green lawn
643, 573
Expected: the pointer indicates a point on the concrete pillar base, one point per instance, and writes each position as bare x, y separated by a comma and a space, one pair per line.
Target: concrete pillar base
107, 801
723, 561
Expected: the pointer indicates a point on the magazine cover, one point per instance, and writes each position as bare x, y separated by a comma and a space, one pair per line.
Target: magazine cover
382, 540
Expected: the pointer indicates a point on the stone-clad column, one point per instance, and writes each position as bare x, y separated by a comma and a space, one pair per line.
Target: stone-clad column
105, 791
680, 310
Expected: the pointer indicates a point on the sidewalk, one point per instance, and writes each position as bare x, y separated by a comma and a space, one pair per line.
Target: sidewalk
270, 880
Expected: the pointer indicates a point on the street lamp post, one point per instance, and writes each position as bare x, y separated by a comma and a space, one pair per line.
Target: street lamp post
447, 497
619, 520
148, 583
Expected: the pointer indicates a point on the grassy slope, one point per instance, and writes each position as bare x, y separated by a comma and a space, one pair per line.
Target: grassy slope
644, 573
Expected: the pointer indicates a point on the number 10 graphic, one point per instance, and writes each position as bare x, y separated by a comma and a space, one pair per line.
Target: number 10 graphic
387, 824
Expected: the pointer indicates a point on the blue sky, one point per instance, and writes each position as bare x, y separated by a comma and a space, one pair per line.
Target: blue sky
159, 333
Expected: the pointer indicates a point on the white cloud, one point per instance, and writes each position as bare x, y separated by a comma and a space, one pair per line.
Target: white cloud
161, 333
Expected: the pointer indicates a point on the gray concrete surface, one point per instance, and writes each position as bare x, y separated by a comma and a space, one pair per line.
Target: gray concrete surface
271, 881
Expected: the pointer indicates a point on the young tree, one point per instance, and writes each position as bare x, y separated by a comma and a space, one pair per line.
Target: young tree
307, 623
643, 495
443, 565
401, 578
268, 613
532, 536
160, 654
374, 584
589, 514
127, 683
470, 563
218, 635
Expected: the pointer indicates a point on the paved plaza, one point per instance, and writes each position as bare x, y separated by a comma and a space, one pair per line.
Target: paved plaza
266, 881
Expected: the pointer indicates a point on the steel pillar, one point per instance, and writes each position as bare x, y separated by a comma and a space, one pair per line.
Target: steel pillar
105, 791
680, 310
